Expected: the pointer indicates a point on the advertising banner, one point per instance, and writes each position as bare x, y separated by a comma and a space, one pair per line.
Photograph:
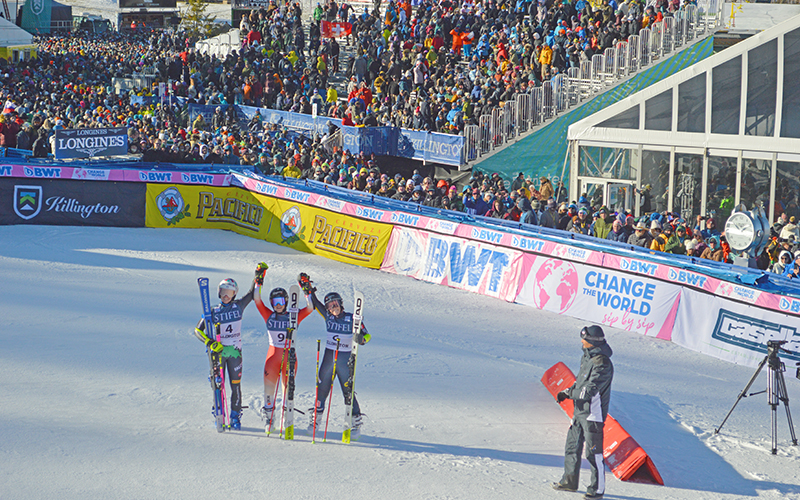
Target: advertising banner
732, 331
390, 141
115, 174
71, 203
326, 233
147, 4
91, 142
445, 260
36, 16
624, 301
206, 207
430, 146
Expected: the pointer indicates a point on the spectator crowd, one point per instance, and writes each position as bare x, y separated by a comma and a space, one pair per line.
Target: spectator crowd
433, 66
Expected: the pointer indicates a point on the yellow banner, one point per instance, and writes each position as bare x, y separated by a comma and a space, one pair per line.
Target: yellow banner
206, 207
329, 234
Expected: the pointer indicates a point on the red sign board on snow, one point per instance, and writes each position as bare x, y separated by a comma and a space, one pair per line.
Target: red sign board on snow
622, 453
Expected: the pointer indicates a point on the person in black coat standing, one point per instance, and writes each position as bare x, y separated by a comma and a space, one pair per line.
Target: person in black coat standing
591, 394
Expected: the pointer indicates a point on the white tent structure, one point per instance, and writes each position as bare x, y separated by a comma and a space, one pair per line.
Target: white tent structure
721, 132
15, 42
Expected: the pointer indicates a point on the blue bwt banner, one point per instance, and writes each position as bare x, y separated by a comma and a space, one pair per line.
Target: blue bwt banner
91, 142
385, 141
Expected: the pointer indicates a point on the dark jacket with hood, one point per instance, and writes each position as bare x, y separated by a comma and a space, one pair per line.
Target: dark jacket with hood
591, 391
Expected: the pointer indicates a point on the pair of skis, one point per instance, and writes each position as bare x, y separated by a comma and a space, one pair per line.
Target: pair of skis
216, 375
347, 435
287, 410
358, 316
288, 407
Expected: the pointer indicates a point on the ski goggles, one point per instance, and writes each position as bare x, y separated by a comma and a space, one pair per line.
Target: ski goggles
278, 301
227, 293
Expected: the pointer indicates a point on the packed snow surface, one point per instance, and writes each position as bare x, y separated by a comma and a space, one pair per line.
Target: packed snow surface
106, 392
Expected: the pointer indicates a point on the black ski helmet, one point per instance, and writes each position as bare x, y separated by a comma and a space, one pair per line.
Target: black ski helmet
334, 297
278, 292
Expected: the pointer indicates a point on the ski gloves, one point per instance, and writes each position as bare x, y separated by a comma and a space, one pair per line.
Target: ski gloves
305, 284
561, 396
260, 270
214, 346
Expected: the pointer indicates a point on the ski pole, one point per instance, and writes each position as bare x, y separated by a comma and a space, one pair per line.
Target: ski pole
286, 347
225, 418
277, 385
316, 397
330, 395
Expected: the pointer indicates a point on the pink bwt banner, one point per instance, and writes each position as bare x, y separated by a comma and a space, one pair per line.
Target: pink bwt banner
446, 260
624, 301
114, 175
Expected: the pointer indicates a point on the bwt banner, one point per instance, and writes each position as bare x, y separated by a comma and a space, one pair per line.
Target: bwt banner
731, 330
620, 300
205, 207
329, 234
91, 142
456, 262
71, 203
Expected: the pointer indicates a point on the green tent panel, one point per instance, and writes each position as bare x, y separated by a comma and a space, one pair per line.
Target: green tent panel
543, 152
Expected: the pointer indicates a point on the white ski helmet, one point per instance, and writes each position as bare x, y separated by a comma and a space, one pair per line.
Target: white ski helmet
228, 284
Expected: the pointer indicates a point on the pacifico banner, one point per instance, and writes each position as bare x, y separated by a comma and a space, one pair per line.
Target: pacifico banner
206, 207
456, 262
322, 232
628, 302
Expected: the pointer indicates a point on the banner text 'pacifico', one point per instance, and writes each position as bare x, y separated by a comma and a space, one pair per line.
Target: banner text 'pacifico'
342, 241
231, 210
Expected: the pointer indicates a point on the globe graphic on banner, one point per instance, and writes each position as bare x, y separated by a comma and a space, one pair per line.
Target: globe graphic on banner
556, 280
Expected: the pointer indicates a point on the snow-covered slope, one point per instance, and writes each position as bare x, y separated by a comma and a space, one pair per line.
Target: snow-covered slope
105, 392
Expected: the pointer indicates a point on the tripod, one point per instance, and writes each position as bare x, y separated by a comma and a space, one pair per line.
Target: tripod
776, 391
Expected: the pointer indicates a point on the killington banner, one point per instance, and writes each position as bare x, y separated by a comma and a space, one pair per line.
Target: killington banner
91, 142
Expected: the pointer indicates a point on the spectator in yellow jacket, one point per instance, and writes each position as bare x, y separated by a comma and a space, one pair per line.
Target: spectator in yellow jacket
546, 59
292, 171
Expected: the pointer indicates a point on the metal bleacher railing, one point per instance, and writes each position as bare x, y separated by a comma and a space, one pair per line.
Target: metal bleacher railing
652, 45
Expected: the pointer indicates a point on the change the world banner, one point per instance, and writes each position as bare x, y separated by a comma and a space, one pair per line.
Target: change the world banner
91, 142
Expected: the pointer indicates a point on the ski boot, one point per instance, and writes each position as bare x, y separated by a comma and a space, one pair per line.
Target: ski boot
267, 413
235, 423
355, 431
320, 419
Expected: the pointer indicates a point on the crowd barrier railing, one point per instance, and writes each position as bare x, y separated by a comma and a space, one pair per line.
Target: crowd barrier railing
717, 309
566, 90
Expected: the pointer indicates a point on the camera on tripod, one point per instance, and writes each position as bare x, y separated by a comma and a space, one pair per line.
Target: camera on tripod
773, 348
776, 389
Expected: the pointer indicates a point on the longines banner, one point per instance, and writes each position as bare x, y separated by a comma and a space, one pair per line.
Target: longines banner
91, 142
71, 203
206, 207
